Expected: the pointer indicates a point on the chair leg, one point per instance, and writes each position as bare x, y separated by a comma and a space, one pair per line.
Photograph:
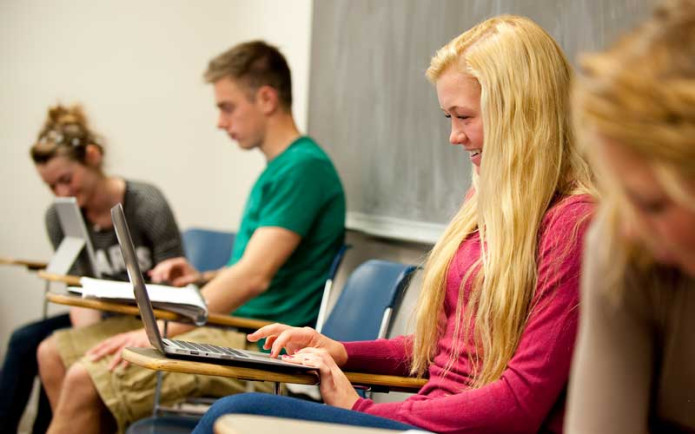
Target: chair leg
160, 377
157, 394
46, 288
249, 387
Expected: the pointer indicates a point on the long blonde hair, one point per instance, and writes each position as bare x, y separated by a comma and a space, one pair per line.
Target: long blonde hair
640, 93
529, 158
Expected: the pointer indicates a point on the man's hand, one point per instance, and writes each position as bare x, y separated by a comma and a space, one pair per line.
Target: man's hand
175, 271
115, 344
336, 389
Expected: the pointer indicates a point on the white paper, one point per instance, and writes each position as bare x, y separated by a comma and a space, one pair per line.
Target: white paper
186, 300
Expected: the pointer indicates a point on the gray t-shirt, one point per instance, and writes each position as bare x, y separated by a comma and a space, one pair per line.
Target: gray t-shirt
152, 226
634, 367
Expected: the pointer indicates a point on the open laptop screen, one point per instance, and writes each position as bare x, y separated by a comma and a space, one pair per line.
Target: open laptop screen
135, 275
76, 244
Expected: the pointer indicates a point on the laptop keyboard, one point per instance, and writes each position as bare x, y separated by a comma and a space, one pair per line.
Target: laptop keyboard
207, 348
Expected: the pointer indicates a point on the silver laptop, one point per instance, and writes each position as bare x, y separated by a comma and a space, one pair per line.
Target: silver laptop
176, 348
76, 243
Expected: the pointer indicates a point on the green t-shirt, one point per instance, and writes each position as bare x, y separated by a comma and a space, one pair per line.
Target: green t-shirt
300, 191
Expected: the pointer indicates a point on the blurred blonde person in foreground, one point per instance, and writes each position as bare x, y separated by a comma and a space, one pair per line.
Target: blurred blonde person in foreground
634, 371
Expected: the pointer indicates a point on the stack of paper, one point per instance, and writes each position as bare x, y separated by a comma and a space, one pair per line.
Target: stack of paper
186, 301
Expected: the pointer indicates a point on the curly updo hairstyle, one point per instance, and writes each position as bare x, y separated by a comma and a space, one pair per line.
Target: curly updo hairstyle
65, 133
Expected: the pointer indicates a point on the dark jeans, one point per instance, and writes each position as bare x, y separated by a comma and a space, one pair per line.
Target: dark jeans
18, 373
282, 406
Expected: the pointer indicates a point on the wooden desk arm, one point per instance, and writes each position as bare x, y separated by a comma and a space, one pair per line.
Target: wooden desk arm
152, 359
129, 309
386, 383
237, 322
29, 264
60, 278
105, 306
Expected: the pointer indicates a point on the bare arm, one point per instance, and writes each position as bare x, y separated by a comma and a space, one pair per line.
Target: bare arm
82, 317
611, 379
267, 250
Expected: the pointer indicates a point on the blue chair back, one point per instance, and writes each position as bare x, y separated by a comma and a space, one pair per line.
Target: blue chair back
370, 296
337, 260
328, 286
207, 249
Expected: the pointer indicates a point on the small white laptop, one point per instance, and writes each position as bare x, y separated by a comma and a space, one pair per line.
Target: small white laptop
76, 242
176, 348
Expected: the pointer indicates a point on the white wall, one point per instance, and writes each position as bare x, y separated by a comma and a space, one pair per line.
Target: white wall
137, 68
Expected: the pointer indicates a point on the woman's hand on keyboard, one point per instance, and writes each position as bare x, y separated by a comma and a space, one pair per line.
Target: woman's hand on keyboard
293, 339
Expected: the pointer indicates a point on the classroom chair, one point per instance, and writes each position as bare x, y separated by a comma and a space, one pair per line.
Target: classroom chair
328, 287
364, 308
181, 423
207, 249
363, 311
371, 295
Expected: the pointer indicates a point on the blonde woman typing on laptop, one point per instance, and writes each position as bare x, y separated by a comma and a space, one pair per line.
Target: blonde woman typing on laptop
69, 158
634, 371
497, 314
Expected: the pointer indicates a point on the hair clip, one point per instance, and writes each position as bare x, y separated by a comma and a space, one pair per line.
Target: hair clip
54, 136
72, 129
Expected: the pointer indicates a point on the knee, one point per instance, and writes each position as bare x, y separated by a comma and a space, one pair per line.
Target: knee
78, 382
46, 352
48, 357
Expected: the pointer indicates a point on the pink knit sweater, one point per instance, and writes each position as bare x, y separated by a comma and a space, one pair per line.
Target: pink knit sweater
529, 397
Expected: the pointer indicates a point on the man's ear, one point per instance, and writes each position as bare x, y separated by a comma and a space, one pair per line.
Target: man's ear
93, 156
267, 98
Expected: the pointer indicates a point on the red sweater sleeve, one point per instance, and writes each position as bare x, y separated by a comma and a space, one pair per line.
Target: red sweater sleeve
382, 356
536, 376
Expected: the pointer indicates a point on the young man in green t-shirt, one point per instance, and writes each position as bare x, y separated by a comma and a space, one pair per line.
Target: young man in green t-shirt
292, 227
